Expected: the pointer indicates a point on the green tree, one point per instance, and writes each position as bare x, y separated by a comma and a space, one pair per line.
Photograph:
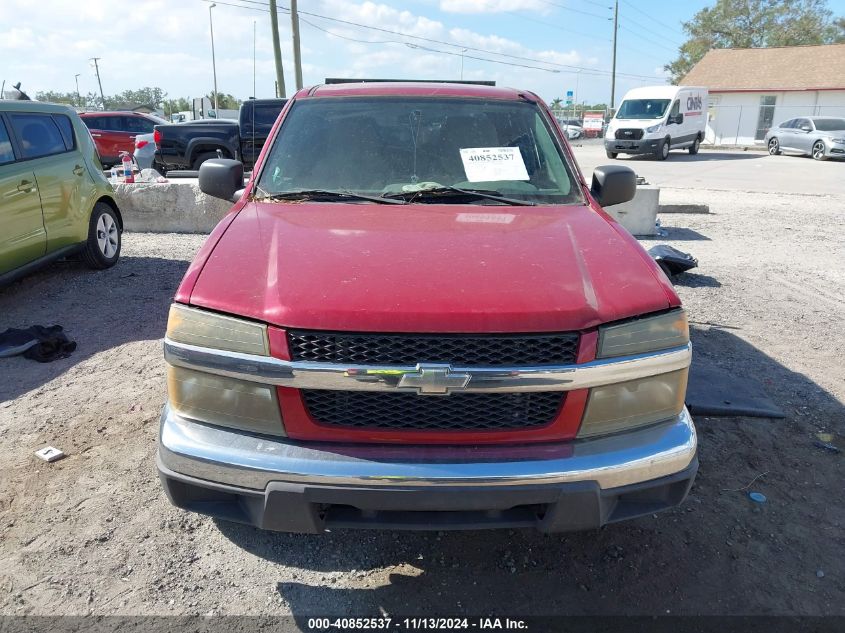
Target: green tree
755, 24
224, 101
53, 96
154, 97
91, 100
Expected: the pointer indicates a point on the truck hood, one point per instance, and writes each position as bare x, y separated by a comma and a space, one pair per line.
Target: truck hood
429, 268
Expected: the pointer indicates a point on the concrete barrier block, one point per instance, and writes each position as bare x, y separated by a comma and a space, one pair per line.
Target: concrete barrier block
171, 207
639, 215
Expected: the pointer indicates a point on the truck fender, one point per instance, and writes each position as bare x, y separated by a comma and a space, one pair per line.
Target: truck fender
209, 144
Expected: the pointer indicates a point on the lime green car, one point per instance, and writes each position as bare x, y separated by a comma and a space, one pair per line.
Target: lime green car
55, 200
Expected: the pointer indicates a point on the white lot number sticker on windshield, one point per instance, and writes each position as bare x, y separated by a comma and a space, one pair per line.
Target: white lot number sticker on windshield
483, 164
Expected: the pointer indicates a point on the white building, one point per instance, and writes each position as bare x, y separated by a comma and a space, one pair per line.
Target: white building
752, 89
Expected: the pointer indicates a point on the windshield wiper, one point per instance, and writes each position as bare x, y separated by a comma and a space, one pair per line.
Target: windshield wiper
445, 191
324, 195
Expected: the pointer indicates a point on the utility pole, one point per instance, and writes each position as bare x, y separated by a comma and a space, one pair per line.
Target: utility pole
613, 79
297, 58
213, 60
100, 83
277, 50
78, 96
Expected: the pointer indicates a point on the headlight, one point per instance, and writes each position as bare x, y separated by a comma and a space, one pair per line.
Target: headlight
224, 401
837, 140
207, 329
648, 334
626, 405
214, 399
653, 128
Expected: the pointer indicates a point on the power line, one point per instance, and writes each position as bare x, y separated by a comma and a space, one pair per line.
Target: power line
565, 8
553, 26
585, 70
651, 42
426, 48
649, 31
651, 17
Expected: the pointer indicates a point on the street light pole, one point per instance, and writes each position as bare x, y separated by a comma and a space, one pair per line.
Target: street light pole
213, 60
78, 96
463, 50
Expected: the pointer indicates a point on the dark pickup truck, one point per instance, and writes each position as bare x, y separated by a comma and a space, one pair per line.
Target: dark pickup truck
188, 145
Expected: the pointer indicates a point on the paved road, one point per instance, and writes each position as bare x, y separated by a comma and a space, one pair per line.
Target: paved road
725, 170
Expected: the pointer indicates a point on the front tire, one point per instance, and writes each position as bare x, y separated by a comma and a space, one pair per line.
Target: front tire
818, 151
774, 146
693, 149
102, 248
663, 149
611, 154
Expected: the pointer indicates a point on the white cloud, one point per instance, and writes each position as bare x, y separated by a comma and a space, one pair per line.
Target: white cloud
491, 6
381, 16
167, 44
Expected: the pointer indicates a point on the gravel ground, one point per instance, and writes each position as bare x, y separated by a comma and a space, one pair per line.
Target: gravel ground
93, 533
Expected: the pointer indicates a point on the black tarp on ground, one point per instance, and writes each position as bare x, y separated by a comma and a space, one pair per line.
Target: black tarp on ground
714, 391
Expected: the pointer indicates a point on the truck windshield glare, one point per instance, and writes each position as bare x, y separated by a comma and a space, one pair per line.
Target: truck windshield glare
642, 109
396, 146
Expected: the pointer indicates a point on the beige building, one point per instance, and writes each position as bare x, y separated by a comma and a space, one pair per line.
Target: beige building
752, 89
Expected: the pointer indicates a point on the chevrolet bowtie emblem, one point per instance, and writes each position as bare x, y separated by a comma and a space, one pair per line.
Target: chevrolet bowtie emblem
434, 380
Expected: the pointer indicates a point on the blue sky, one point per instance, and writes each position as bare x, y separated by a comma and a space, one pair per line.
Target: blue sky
167, 43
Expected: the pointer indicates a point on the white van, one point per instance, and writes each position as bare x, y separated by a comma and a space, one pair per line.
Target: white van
655, 119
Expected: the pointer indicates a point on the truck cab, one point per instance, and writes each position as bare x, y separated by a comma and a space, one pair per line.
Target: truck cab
417, 315
657, 119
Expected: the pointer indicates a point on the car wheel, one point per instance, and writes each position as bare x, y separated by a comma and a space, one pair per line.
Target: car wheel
201, 158
693, 149
611, 154
663, 149
102, 249
818, 151
774, 146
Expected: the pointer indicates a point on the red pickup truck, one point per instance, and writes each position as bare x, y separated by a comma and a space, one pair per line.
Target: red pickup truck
417, 315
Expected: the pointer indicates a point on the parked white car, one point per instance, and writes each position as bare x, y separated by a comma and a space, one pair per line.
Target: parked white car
656, 119
572, 127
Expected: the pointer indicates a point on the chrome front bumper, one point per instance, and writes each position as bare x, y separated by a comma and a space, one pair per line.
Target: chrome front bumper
275, 482
248, 461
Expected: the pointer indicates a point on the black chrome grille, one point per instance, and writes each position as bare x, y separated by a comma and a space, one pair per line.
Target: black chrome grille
455, 349
629, 134
455, 412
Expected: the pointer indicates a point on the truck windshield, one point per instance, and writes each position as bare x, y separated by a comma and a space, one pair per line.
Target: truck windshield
642, 109
401, 145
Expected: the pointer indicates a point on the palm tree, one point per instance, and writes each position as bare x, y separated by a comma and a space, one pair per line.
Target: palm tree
556, 104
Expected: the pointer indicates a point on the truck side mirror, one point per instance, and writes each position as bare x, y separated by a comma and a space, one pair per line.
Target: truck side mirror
221, 178
613, 184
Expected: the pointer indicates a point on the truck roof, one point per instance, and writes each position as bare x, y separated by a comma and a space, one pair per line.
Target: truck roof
658, 92
411, 88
